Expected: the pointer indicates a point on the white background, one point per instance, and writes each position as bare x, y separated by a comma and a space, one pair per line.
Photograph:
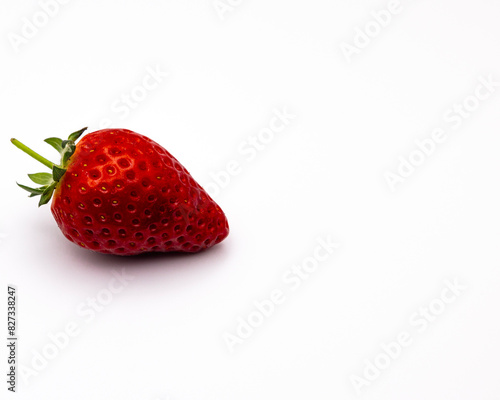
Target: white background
324, 175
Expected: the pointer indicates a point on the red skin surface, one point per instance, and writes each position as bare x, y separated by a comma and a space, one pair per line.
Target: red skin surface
124, 194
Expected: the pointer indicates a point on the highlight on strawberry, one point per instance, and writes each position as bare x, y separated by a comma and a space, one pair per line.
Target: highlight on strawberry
119, 192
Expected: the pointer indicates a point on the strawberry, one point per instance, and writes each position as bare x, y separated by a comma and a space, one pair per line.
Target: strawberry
119, 192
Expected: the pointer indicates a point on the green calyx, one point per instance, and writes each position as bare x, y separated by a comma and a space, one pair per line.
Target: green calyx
49, 181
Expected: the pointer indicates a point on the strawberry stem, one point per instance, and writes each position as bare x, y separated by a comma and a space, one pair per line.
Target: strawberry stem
32, 153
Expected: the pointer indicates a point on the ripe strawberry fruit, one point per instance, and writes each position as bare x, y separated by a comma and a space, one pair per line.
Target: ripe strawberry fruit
119, 192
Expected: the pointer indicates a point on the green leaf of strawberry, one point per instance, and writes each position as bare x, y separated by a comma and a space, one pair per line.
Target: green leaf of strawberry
33, 191
42, 178
55, 142
76, 135
47, 194
57, 173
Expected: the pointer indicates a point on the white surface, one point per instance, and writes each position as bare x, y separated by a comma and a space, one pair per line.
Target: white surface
161, 337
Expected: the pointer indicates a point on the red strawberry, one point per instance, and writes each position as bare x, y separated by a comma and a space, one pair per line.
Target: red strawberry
120, 192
